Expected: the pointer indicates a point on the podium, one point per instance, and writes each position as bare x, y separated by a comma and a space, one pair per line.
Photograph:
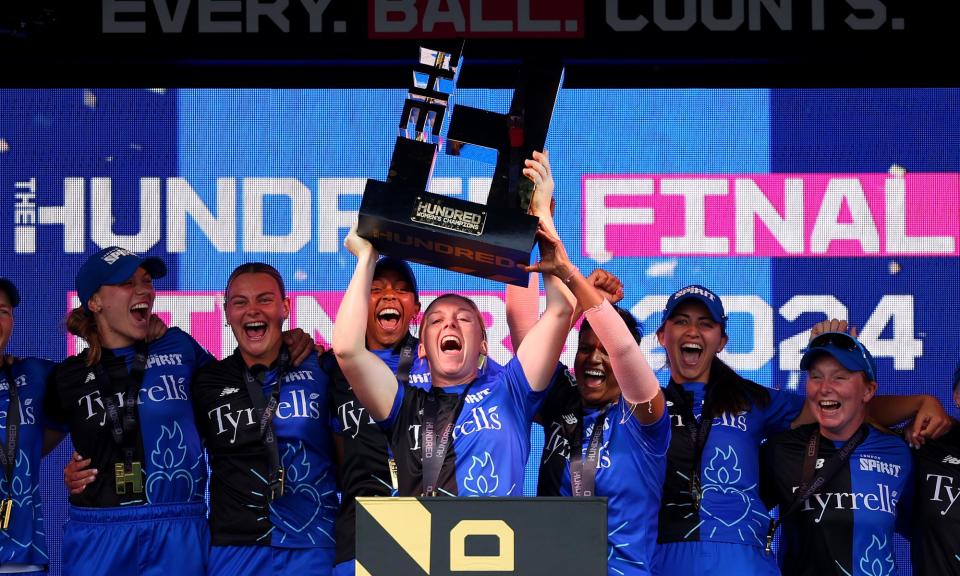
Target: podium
481, 536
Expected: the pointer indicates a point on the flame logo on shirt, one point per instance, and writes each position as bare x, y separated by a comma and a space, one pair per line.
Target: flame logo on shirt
877, 559
482, 479
169, 475
169, 451
21, 491
724, 467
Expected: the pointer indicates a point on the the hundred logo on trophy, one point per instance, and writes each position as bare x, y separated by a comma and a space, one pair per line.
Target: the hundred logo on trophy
491, 240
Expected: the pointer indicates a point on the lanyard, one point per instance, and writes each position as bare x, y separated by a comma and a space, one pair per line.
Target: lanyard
403, 377
698, 432
124, 427
583, 471
265, 410
9, 455
436, 437
406, 358
809, 484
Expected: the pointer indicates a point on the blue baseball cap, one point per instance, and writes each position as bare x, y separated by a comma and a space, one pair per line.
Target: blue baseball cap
8, 287
113, 265
700, 294
845, 349
401, 267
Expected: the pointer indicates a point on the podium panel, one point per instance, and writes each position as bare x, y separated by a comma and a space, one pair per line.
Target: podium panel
481, 536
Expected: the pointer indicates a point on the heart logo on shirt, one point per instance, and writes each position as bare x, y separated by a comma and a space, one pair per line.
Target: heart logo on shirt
178, 483
310, 500
735, 505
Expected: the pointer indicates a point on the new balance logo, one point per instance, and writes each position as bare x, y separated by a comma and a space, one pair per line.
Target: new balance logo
570, 419
951, 460
228, 391
90, 377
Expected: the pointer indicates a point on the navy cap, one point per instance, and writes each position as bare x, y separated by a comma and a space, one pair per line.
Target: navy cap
113, 265
10, 289
400, 267
700, 294
847, 350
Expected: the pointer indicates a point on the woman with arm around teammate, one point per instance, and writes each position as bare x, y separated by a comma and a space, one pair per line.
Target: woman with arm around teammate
127, 406
711, 514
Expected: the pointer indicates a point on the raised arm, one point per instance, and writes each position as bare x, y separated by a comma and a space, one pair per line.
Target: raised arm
638, 384
540, 350
523, 305
372, 381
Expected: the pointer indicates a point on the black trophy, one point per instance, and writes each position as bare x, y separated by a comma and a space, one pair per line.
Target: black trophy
492, 240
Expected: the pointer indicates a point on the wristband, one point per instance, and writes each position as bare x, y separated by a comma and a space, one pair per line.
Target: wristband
573, 272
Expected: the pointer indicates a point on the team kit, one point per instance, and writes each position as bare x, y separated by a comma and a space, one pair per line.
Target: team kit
253, 464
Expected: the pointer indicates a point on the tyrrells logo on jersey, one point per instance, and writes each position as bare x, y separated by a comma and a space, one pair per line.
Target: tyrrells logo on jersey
942, 489
882, 499
556, 443
170, 388
351, 414
296, 403
477, 419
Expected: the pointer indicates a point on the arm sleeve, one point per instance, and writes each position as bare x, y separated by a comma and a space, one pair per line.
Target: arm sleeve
637, 381
523, 305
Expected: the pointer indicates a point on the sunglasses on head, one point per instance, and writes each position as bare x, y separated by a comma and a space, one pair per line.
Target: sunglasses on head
837, 340
843, 342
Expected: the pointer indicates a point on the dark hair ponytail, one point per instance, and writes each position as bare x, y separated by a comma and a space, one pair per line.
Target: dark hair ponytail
81, 323
731, 393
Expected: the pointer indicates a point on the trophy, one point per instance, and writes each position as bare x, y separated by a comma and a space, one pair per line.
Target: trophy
492, 240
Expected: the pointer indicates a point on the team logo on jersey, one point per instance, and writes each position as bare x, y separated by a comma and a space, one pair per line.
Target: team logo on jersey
721, 477
877, 559
476, 396
948, 459
481, 479
164, 360
228, 391
307, 517
170, 474
874, 464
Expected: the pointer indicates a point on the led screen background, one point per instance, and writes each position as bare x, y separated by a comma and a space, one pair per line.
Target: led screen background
662, 187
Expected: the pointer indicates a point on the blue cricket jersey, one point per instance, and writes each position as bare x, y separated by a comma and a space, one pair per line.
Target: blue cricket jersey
172, 455
730, 509
630, 473
490, 440
241, 512
23, 542
847, 526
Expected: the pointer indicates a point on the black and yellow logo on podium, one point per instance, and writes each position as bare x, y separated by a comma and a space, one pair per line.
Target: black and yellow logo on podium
480, 536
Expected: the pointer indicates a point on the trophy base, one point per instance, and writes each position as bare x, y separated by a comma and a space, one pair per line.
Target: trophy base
448, 233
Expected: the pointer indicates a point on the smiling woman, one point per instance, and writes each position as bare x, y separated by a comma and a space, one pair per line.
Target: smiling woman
130, 415
468, 433
266, 426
